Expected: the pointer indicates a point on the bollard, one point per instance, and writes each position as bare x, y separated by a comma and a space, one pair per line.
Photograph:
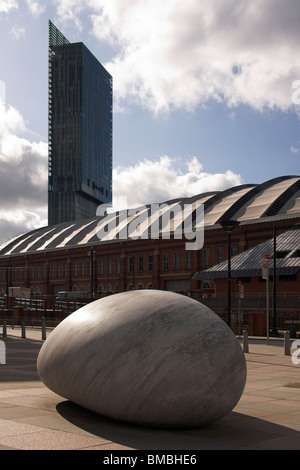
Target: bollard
23, 330
287, 348
245, 341
4, 330
43, 328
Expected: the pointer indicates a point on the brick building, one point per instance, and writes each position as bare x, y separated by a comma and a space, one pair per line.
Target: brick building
71, 257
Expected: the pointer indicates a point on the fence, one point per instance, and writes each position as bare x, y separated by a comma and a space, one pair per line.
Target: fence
247, 313
14, 311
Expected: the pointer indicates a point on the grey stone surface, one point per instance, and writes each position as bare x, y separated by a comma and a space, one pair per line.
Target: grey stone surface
148, 357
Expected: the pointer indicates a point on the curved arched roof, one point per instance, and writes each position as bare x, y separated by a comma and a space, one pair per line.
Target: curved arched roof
279, 197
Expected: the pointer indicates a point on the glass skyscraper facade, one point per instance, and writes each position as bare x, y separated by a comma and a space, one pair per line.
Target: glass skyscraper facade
80, 131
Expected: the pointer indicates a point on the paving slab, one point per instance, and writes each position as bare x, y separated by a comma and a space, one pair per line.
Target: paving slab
32, 417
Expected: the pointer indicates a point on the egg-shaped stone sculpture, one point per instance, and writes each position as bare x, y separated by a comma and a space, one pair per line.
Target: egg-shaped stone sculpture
147, 357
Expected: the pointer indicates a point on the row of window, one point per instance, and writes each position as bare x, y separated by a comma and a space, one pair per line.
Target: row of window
219, 255
108, 266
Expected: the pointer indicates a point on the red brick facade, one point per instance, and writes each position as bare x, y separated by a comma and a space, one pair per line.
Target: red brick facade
120, 265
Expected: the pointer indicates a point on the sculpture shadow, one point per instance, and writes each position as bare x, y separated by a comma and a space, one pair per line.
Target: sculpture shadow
234, 431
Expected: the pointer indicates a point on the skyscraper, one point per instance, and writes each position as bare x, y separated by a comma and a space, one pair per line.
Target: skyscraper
80, 131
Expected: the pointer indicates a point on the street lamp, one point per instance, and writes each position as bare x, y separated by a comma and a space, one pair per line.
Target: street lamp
229, 226
91, 254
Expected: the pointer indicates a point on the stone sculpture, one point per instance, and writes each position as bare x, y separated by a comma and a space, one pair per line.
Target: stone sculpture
148, 357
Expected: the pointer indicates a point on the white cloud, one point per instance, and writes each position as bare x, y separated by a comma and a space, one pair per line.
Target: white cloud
181, 54
35, 7
158, 181
23, 176
18, 31
69, 10
7, 6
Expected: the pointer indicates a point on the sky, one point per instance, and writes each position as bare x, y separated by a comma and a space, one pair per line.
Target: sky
206, 96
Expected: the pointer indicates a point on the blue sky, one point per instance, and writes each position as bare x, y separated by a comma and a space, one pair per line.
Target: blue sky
202, 95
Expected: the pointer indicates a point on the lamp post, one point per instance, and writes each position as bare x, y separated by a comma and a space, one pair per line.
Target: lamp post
229, 226
91, 254
274, 331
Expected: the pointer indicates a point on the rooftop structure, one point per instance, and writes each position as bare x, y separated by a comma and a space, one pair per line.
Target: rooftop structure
249, 263
276, 199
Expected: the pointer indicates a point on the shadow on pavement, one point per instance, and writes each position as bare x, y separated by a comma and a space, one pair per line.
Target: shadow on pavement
234, 431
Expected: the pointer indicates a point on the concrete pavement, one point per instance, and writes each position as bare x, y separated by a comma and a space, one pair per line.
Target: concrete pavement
32, 417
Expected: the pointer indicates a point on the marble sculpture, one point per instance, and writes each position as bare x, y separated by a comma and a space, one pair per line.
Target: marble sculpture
146, 357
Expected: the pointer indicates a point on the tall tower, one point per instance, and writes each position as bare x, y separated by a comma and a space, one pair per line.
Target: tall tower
80, 131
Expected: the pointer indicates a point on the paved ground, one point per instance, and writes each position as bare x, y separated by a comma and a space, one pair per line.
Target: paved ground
32, 417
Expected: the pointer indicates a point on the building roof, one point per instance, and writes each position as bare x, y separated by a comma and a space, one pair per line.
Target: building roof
277, 198
249, 263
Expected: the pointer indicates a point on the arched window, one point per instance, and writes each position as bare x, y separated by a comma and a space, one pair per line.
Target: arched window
205, 285
109, 289
100, 290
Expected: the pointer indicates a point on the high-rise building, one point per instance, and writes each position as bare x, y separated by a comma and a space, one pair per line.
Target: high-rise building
80, 131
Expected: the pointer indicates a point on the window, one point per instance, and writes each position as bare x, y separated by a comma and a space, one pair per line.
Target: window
109, 289
165, 261
188, 259
176, 260
150, 263
288, 278
109, 269
100, 290
244, 280
75, 268
100, 266
140, 263
205, 285
206, 257
131, 264
82, 268
118, 265
233, 250
219, 255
